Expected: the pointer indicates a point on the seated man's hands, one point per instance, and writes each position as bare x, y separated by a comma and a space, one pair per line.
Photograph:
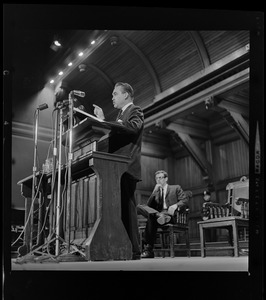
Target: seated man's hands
157, 187
172, 209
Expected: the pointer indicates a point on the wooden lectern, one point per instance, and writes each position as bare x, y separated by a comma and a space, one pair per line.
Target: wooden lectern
95, 214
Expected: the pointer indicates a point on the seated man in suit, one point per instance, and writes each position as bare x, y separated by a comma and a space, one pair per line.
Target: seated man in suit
161, 208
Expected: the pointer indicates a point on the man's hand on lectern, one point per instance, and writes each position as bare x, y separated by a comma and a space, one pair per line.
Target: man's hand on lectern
98, 112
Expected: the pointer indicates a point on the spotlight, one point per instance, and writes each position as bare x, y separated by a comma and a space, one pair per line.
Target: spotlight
56, 44
114, 40
82, 67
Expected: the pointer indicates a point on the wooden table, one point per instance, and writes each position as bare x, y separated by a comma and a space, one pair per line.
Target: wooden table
232, 223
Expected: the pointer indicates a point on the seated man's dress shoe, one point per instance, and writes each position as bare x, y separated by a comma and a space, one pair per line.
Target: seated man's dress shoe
147, 254
163, 219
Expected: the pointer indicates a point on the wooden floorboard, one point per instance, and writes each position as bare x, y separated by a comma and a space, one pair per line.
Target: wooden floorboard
213, 263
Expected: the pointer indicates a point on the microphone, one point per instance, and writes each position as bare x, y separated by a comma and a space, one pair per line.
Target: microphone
79, 93
42, 106
63, 103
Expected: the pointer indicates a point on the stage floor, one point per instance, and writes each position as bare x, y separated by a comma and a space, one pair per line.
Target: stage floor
212, 264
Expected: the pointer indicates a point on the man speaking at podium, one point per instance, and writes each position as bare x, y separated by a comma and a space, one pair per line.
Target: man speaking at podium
127, 143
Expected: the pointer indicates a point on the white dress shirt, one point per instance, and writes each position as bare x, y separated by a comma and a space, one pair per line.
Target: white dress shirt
164, 193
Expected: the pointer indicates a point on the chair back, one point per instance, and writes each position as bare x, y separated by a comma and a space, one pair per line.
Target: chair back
211, 210
238, 190
183, 215
237, 202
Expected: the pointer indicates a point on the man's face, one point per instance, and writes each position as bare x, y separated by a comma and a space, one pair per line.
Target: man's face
161, 179
119, 97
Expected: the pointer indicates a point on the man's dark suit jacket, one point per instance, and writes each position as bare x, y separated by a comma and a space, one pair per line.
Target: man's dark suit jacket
129, 142
174, 194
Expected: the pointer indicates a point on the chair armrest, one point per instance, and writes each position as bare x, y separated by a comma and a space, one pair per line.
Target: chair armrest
240, 200
244, 202
212, 210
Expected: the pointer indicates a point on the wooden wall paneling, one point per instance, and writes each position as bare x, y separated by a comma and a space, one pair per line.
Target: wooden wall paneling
142, 196
149, 165
231, 160
187, 173
155, 144
222, 195
220, 131
171, 162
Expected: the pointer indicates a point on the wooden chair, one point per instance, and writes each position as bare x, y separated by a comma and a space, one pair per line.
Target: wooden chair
232, 215
168, 233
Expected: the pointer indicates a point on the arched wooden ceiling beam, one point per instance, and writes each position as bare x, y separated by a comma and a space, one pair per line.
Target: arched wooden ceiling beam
146, 62
203, 54
102, 74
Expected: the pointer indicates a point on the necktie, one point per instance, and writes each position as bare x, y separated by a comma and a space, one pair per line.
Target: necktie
119, 114
161, 197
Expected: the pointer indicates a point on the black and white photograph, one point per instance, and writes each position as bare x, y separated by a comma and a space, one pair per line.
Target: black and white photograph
133, 141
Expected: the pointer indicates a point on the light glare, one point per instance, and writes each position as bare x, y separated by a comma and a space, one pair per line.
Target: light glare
57, 43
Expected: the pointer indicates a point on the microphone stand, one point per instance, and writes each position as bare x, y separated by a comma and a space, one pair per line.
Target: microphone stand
69, 181
57, 223
52, 221
34, 169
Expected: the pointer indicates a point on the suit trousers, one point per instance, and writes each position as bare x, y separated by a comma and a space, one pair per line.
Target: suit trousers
129, 211
151, 225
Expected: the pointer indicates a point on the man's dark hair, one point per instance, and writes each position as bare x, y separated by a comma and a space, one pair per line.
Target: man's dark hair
161, 171
126, 88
